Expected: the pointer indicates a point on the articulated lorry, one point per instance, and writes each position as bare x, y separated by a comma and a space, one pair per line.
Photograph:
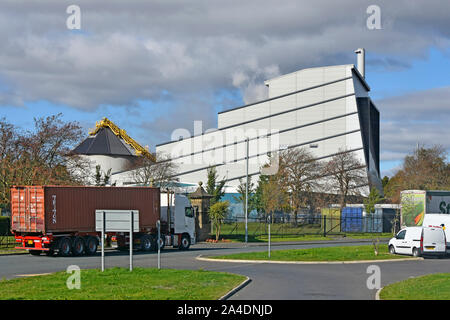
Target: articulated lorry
427, 208
61, 219
417, 204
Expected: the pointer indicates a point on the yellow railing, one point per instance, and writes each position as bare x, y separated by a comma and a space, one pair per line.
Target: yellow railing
106, 123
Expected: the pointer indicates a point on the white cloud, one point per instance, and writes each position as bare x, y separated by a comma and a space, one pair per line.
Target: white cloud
415, 118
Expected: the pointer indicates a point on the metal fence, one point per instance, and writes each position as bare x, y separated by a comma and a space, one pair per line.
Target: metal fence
286, 227
6, 238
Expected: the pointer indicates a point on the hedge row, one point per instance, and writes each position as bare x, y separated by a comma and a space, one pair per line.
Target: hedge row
5, 226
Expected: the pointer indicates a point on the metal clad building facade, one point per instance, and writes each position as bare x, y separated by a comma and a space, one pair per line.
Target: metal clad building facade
325, 110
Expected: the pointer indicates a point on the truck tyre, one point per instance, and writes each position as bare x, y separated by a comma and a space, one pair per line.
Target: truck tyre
77, 246
64, 247
185, 242
162, 243
91, 245
147, 243
35, 252
50, 253
416, 252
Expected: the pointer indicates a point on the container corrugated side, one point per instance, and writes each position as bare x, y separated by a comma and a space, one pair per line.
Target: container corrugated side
72, 208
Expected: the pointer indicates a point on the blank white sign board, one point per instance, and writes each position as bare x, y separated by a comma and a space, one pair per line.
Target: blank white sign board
116, 220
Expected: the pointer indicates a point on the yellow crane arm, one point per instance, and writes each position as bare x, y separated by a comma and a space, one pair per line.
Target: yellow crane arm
106, 123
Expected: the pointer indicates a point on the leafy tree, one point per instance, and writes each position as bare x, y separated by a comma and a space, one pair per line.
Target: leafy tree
250, 196
423, 169
257, 198
275, 196
217, 213
98, 175
373, 199
99, 181
214, 187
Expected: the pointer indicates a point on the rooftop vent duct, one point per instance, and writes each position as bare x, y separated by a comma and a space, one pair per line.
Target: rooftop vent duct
361, 55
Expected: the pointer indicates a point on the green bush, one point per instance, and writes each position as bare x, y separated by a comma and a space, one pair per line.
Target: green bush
5, 226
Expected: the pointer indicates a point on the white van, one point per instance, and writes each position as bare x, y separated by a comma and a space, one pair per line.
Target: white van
419, 241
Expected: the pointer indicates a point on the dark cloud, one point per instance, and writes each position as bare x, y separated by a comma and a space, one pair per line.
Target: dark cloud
134, 50
129, 51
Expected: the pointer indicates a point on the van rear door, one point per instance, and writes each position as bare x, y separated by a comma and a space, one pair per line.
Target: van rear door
433, 240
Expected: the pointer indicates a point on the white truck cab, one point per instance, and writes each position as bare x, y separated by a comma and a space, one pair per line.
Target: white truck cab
182, 220
419, 241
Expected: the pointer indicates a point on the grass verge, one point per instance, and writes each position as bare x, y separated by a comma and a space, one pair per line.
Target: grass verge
349, 253
12, 251
121, 284
302, 237
429, 287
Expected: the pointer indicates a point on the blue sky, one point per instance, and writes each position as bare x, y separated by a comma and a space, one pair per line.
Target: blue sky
139, 64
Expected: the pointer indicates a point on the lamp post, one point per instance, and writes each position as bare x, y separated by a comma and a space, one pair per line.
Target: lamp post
246, 192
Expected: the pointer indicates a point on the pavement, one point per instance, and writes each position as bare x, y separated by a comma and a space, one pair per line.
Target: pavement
268, 281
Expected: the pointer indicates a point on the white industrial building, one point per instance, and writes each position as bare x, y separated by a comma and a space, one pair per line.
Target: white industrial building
325, 109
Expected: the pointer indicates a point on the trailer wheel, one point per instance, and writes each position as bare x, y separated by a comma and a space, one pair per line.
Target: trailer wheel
77, 246
162, 243
64, 247
147, 243
91, 245
185, 242
35, 252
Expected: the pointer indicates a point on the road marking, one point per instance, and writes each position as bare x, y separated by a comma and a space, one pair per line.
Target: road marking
32, 274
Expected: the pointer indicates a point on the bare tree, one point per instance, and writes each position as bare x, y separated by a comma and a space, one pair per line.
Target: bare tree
300, 173
161, 173
37, 155
80, 168
346, 175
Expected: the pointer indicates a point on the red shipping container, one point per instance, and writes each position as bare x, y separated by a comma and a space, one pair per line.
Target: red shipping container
59, 209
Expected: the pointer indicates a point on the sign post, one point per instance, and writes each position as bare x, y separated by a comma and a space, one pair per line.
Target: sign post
116, 221
131, 239
158, 225
103, 239
269, 220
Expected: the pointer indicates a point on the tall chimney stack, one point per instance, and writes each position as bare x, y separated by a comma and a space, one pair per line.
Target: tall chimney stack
361, 54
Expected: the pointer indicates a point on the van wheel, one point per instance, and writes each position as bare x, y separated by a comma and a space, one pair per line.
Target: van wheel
391, 249
416, 252
185, 242
64, 247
